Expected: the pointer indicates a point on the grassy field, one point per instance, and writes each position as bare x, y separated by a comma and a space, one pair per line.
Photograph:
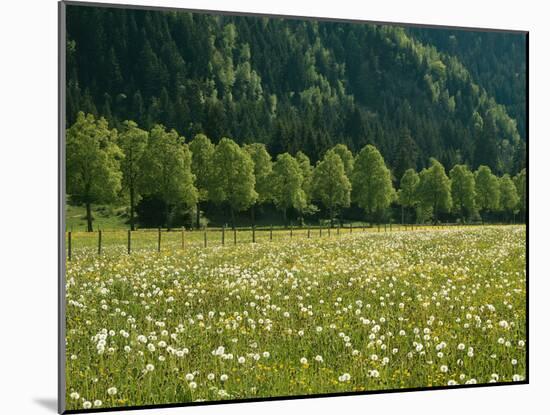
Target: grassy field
115, 218
115, 241
105, 217
362, 311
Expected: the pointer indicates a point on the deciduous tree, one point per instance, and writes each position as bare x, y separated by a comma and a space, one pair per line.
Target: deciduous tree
92, 163
233, 178
347, 158
434, 189
263, 167
286, 182
307, 174
133, 143
407, 194
202, 150
521, 186
509, 199
487, 190
330, 184
463, 190
167, 164
371, 182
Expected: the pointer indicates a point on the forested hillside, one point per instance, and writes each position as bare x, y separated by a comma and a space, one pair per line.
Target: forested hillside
496, 61
302, 85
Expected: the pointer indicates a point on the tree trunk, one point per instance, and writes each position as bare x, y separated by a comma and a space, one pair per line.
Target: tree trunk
89, 216
198, 214
132, 204
253, 214
331, 213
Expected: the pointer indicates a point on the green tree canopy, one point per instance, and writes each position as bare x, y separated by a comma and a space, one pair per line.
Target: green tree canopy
92, 163
233, 178
434, 189
347, 158
202, 150
133, 143
263, 166
487, 190
330, 184
407, 194
509, 199
286, 183
371, 181
167, 162
521, 186
463, 190
307, 174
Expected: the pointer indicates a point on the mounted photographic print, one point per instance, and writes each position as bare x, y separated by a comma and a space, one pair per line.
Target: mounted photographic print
260, 207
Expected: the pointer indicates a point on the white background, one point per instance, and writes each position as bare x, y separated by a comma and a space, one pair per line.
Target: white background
28, 205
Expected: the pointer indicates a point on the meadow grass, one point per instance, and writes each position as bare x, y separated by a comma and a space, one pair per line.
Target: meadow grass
361, 311
115, 240
105, 217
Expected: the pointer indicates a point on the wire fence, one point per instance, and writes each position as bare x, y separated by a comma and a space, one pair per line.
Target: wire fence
122, 241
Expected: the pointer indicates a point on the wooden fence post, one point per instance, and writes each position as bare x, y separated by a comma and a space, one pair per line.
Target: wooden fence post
271, 232
223, 235
158, 247
99, 243
205, 243
234, 235
320, 229
253, 234
308, 232
338, 230
183, 237
291, 231
350, 228
129, 241
329, 226
70, 245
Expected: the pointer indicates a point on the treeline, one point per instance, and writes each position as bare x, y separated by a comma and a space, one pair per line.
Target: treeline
299, 85
159, 169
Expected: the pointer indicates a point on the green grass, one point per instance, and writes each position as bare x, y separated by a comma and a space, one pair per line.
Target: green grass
105, 217
112, 217
389, 310
116, 241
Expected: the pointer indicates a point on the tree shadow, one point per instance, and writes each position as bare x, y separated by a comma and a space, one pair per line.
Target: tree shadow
48, 403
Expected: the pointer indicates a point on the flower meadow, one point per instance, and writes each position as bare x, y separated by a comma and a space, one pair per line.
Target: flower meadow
359, 312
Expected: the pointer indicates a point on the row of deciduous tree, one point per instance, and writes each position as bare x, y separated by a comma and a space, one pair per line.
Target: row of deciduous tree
103, 163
